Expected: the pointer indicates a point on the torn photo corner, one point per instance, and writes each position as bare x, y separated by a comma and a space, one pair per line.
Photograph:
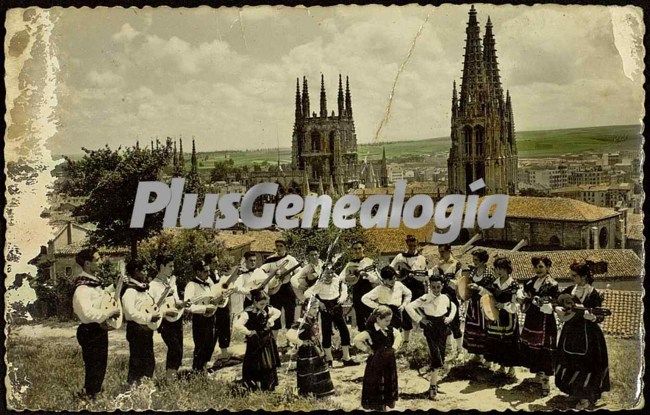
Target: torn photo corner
325, 208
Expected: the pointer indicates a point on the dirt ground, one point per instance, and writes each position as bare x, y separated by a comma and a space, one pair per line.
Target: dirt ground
465, 386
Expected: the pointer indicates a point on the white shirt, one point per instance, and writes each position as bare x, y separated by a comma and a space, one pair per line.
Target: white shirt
157, 287
271, 266
417, 262
329, 291
430, 305
240, 323
372, 275
250, 280
195, 290
86, 301
364, 337
582, 292
540, 281
398, 296
308, 272
133, 302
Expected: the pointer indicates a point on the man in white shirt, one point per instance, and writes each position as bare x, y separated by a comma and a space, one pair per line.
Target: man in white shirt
222, 324
307, 275
200, 287
332, 292
170, 331
142, 361
92, 337
366, 279
390, 293
249, 279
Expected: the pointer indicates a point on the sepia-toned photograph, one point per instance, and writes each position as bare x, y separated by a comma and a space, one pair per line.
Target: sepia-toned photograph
324, 208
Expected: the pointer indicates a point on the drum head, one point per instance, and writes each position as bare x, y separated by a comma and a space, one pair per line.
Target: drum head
463, 287
488, 305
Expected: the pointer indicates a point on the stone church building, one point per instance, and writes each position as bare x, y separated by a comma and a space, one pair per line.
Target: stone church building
482, 124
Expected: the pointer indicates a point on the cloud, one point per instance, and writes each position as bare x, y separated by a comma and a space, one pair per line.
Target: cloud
126, 34
104, 79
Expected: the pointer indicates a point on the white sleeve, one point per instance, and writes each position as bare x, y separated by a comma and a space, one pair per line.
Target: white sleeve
406, 293
83, 306
131, 311
373, 276
411, 310
189, 296
454, 309
360, 339
344, 290
370, 298
398, 339
292, 336
313, 290
239, 324
274, 314
396, 260
512, 307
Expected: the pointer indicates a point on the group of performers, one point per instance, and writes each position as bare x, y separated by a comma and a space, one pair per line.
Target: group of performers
388, 304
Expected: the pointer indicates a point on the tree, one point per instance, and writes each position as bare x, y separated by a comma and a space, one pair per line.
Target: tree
110, 180
186, 246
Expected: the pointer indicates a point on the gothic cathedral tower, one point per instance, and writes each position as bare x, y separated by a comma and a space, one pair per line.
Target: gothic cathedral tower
482, 126
325, 146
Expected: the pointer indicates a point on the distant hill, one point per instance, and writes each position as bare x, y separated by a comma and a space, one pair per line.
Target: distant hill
545, 143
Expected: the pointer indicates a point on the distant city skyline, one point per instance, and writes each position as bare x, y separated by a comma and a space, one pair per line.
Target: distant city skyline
227, 76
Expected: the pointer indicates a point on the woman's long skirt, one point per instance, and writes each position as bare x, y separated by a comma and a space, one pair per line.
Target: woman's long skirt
380, 380
313, 373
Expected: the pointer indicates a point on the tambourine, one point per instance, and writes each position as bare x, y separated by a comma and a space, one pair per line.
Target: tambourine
462, 287
488, 305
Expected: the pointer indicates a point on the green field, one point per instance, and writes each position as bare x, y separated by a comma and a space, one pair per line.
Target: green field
547, 143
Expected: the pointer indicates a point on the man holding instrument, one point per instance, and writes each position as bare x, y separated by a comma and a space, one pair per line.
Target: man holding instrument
361, 275
250, 278
412, 268
92, 337
307, 275
283, 297
222, 315
171, 329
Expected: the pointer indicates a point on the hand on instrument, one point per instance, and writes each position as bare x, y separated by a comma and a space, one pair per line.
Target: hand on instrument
546, 308
448, 320
474, 286
179, 304
269, 324
589, 316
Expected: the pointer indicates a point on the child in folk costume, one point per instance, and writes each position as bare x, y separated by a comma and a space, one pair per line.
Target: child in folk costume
434, 312
503, 333
312, 371
135, 300
91, 335
358, 268
405, 263
475, 334
198, 288
582, 369
391, 293
539, 334
380, 341
261, 359
170, 331
449, 268
331, 292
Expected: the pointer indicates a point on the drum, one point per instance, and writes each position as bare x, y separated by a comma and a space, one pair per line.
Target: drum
462, 288
488, 305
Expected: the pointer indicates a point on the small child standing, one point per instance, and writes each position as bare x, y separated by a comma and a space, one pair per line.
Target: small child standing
380, 341
312, 372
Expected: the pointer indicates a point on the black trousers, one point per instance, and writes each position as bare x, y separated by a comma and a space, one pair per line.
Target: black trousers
93, 340
334, 316
222, 326
285, 299
204, 340
361, 311
172, 335
141, 358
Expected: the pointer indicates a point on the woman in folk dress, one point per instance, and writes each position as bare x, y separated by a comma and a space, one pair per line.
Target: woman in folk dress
475, 334
261, 359
312, 371
380, 341
503, 333
539, 334
582, 369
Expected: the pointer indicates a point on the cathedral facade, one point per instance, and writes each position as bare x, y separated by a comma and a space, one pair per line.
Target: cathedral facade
482, 125
324, 144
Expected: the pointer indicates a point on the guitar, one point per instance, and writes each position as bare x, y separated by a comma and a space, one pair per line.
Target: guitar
153, 309
597, 311
111, 303
219, 288
169, 305
354, 275
279, 279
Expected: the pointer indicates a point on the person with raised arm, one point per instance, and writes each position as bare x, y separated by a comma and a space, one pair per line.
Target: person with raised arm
391, 293
92, 337
361, 275
434, 312
261, 359
380, 341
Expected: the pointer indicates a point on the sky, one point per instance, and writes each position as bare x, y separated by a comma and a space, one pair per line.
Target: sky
227, 76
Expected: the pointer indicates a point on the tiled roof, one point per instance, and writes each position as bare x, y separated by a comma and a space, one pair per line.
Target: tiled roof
627, 312
75, 247
393, 240
234, 240
634, 226
556, 208
263, 240
621, 263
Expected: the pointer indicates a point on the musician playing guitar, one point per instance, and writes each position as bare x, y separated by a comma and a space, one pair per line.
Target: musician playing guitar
222, 325
282, 295
200, 286
250, 278
91, 335
142, 361
307, 275
171, 327
407, 264
331, 292
361, 275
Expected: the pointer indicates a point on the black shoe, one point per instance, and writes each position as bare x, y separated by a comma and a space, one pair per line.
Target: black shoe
330, 363
350, 362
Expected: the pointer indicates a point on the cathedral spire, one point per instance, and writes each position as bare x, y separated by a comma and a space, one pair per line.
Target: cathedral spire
181, 158
194, 163
305, 98
305, 183
348, 99
491, 63
323, 97
340, 97
175, 155
454, 102
298, 101
473, 67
